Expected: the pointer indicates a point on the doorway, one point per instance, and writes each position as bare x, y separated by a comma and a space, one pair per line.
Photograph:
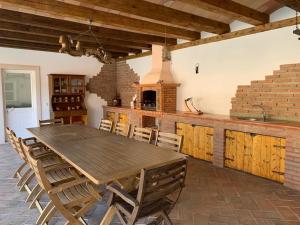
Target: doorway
21, 99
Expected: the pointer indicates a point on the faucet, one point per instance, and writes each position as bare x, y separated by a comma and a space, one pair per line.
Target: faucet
264, 114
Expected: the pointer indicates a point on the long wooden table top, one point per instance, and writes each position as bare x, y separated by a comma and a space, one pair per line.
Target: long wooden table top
102, 156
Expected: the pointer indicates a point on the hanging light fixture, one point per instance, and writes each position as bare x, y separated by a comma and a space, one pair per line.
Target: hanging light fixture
297, 30
75, 48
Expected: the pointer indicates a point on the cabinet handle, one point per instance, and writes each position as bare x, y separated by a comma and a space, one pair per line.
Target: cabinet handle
229, 159
230, 138
209, 135
280, 173
177, 128
278, 146
208, 153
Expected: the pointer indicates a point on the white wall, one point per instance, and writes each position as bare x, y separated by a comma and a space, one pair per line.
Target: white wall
226, 64
55, 63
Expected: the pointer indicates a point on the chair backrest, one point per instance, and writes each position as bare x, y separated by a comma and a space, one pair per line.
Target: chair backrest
159, 182
142, 134
51, 122
122, 129
36, 166
9, 133
106, 125
19, 148
169, 140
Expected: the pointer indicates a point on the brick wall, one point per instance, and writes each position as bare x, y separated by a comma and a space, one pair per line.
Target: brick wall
125, 78
279, 94
114, 79
104, 84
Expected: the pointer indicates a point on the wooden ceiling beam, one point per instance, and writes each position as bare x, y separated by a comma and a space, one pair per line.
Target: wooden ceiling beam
41, 47
231, 8
30, 38
27, 45
72, 27
294, 4
46, 32
158, 13
81, 14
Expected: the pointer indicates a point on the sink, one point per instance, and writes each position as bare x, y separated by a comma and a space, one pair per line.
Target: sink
267, 121
250, 119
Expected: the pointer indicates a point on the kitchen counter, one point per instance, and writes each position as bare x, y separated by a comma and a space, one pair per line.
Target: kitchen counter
215, 118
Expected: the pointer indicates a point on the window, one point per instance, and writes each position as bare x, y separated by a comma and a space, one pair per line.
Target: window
17, 90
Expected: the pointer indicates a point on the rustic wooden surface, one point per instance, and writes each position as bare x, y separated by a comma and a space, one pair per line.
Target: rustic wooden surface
102, 156
260, 155
197, 140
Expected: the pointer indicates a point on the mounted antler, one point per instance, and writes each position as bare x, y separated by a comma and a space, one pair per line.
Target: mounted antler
100, 54
67, 46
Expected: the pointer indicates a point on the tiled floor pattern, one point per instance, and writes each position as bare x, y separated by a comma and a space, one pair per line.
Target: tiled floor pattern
212, 196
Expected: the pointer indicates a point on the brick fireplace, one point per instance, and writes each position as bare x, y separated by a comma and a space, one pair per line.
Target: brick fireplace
156, 97
156, 93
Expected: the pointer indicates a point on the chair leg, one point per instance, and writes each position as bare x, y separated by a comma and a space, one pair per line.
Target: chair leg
27, 181
25, 175
82, 221
45, 217
121, 218
36, 199
18, 172
109, 215
166, 218
33, 193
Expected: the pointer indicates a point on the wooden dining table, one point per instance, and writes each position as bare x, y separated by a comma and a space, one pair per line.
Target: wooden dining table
102, 156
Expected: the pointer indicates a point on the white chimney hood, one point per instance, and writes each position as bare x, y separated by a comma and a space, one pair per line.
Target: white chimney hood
161, 70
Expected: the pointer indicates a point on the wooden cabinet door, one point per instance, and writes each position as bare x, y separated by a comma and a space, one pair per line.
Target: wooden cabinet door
248, 152
277, 159
111, 116
199, 148
197, 140
123, 118
187, 131
209, 143
230, 149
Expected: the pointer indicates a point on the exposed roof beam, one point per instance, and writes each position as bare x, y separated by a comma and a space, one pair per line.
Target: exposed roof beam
70, 12
158, 13
232, 9
294, 4
16, 36
46, 32
27, 45
41, 47
72, 27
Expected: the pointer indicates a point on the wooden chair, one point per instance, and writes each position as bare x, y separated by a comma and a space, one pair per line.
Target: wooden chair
51, 122
153, 196
169, 140
39, 151
72, 199
142, 134
56, 174
122, 129
106, 125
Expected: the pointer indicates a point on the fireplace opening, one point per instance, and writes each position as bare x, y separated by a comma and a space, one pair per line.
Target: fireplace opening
149, 100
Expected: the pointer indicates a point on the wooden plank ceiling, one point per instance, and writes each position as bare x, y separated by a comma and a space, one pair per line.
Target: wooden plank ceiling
124, 26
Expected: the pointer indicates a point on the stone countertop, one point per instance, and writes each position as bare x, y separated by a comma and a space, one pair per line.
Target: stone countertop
223, 118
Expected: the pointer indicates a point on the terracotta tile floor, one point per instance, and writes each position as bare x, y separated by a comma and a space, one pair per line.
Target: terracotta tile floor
213, 196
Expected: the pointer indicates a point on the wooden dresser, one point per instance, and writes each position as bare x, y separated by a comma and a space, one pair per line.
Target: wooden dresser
67, 93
